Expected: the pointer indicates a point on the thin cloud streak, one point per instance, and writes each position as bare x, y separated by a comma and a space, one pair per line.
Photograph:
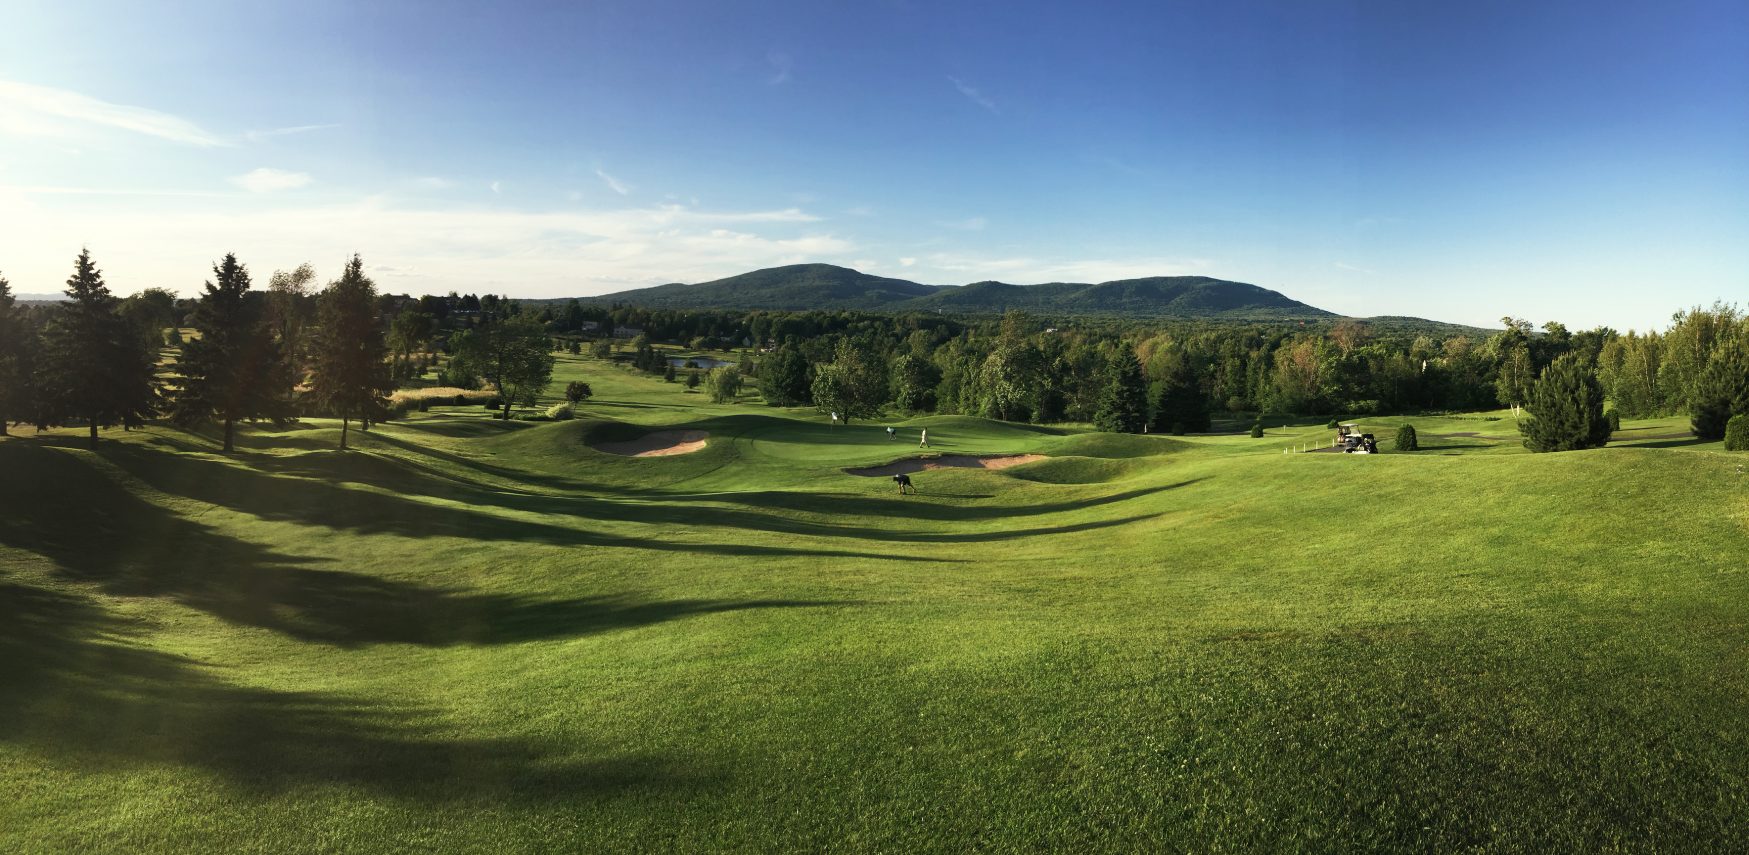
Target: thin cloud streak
613, 183
972, 92
43, 101
257, 136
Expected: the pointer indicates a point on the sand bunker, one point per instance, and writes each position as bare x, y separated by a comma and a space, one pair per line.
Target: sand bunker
662, 443
946, 461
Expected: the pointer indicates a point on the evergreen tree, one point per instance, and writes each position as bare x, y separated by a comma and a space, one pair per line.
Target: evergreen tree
1737, 433
350, 377
97, 368
1722, 390
1182, 408
1407, 440
18, 352
1566, 408
783, 378
1124, 406
668, 375
234, 369
511, 354
692, 379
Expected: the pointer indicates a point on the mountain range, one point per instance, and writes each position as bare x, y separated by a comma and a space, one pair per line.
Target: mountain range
801, 287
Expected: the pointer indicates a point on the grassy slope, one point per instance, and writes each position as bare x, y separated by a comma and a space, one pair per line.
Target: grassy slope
1144, 643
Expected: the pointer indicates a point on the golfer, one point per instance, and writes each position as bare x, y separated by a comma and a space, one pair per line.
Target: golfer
923, 439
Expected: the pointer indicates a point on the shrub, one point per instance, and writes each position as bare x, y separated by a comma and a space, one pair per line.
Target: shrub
1737, 433
1613, 419
424, 405
578, 391
1566, 406
461, 400
1257, 430
1332, 425
560, 412
1406, 439
494, 404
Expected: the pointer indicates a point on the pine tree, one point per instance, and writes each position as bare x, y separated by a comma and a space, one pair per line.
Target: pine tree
18, 351
350, 377
234, 369
1182, 408
1722, 390
1124, 406
97, 369
1566, 408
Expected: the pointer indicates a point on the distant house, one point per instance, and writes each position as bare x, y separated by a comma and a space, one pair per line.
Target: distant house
589, 326
627, 332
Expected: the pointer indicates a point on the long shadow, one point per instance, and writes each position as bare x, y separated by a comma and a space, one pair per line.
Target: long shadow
80, 687
748, 510
323, 502
97, 532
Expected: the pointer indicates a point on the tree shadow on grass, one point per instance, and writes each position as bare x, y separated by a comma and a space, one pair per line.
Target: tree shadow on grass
95, 531
768, 510
80, 687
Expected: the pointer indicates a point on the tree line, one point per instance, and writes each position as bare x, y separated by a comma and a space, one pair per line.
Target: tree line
93, 360
289, 350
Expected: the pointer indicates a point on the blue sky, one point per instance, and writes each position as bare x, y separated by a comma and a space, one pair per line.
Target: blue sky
1586, 162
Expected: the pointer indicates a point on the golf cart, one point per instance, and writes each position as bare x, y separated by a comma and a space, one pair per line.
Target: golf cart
1352, 441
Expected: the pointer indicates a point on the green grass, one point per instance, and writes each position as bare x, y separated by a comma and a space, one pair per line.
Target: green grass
488, 636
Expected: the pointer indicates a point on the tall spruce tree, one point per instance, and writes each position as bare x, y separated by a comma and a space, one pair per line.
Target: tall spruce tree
234, 369
1722, 390
1182, 407
350, 376
18, 351
1123, 408
96, 367
1566, 408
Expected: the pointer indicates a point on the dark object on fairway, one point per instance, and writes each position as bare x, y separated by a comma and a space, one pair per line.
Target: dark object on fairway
904, 481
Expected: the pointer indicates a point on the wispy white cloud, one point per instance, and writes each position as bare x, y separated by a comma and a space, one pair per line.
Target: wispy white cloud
907, 262
973, 224
780, 65
972, 92
613, 183
1340, 265
27, 108
257, 136
431, 182
497, 186
860, 211
267, 179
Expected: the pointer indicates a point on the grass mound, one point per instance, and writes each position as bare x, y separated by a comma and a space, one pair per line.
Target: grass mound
1117, 445
1076, 470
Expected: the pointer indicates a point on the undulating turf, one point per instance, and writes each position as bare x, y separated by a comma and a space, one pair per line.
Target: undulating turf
488, 636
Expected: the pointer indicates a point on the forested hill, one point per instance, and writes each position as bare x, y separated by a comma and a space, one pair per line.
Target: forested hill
796, 287
802, 287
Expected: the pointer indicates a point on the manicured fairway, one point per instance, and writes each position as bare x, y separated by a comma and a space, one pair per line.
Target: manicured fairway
486, 636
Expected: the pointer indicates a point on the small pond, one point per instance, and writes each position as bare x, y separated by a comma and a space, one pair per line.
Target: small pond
704, 362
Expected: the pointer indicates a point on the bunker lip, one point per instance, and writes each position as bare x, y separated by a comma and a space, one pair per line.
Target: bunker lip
946, 461
662, 443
